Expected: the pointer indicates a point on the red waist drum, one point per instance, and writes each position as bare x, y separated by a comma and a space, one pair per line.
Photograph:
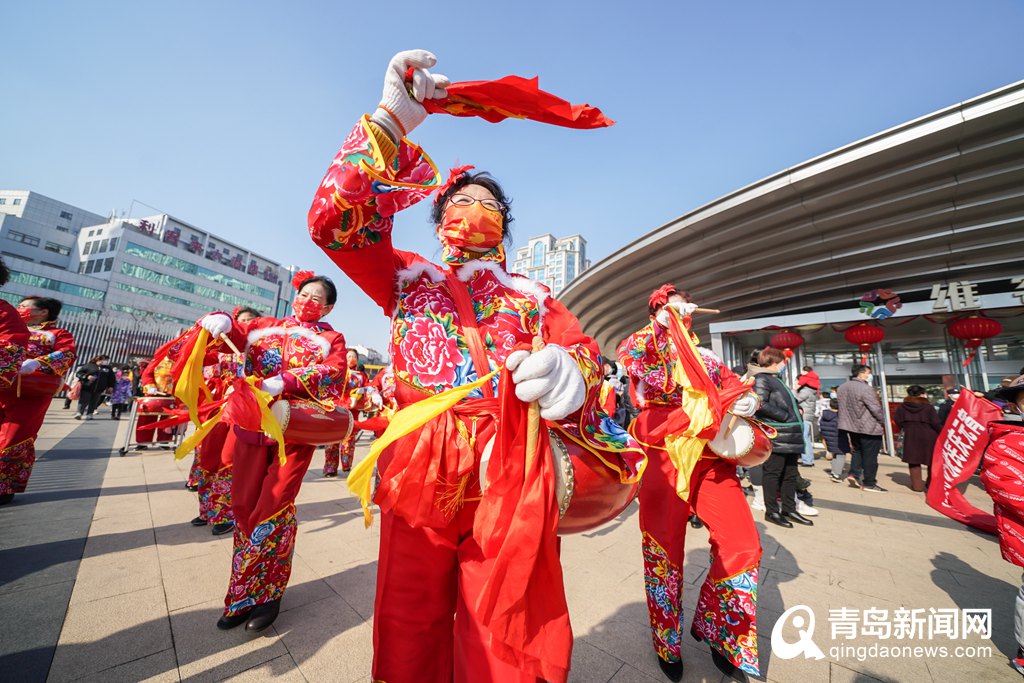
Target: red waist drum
35, 385
309, 423
748, 443
155, 405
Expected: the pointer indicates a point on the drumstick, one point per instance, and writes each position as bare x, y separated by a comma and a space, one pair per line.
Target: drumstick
231, 345
533, 416
706, 310
18, 391
731, 423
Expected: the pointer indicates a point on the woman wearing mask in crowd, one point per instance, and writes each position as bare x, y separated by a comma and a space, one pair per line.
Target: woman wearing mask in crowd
17, 417
779, 410
122, 394
920, 424
296, 358
96, 378
452, 325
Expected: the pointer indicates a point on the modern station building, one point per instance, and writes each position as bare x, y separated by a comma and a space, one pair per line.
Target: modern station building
552, 261
909, 231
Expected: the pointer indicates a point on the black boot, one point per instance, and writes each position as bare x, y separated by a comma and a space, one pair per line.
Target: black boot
198, 521
263, 616
727, 667
673, 670
695, 522
775, 517
226, 623
6, 498
222, 528
798, 518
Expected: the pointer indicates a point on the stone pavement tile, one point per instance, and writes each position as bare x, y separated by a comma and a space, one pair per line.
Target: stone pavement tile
591, 664
304, 587
104, 633
38, 555
128, 505
182, 540
195, 580
628, 674
160, 667
280, 669
356, 585
116, 534
328, 640
127, 571
776, 591
842, 674
27, 642
993, 669
205, 653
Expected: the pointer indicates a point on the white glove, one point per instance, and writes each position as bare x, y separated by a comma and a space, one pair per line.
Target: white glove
550, 377
152, 391
746, 405
29, 366
216, 324
684, 308
398, 113
273, 385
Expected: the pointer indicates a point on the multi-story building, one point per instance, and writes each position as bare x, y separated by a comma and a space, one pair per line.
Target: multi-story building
553, 261
156, 268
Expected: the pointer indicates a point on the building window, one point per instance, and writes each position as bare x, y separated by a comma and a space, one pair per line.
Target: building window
23, 238
538, 254
39, 282
57, 248
113, 243
88, 249
108, 264
90, 266
17, 202
65, 214
103, 246
61, 228
91, 233
3, 200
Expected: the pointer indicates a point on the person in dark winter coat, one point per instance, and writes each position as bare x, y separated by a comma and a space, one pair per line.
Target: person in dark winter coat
837, 442
921, 426
779, 410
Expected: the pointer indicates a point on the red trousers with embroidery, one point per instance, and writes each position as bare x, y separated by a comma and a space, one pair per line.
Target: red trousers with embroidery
425, 579
726, 615
340, 453
263, 500
21, 420
215, 477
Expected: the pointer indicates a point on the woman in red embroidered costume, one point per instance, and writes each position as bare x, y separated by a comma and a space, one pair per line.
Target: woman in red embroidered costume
356, 395
48, 357
725, 617
298, 358
449, 606
16, 449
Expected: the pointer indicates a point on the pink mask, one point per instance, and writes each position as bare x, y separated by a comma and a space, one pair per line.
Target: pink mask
307, 310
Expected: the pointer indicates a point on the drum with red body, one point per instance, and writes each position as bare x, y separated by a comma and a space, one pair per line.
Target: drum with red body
154, 405
589, 492
305, 423
150, 409
743, 440
35, 385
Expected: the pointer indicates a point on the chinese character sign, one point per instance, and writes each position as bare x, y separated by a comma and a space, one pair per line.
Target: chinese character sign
955, 296
956, 456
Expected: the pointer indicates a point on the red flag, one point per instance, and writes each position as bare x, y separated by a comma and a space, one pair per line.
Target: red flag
518, 98
956, 456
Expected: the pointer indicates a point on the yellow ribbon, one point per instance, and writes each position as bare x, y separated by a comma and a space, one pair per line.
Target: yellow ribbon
685, 448
268, 424
405, 421
191, 382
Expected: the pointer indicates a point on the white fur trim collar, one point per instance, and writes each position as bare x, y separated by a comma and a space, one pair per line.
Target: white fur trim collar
321, 343
51, 336
525, 285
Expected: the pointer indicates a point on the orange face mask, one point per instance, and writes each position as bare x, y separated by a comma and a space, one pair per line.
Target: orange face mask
470, 226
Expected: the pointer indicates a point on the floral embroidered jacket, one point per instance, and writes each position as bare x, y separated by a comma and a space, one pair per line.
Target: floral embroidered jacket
648, 359
13, 341
351, 220
310, 357
53, 347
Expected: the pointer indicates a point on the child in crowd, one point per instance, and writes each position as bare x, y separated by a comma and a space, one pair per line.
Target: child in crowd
837, 442
121, 395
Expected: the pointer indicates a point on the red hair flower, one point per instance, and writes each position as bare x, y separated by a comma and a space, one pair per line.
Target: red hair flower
453, 177
301, 277
659, 297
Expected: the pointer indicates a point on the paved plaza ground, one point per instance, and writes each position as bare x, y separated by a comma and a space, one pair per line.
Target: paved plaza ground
103, 579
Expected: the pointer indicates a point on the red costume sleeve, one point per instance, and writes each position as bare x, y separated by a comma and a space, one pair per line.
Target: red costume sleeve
60, 360
13, 340
352, 214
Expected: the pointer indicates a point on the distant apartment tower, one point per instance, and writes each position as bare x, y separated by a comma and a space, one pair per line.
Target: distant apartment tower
553, 261
155, 268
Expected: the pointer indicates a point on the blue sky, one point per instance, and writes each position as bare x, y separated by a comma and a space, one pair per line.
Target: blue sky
226, 114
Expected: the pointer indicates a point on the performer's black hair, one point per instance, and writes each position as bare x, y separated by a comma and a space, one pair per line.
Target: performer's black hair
51, 306
484, 180
332, 291
5, 274
247, 309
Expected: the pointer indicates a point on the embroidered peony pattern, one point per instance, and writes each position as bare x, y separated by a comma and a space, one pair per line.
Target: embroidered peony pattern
726, 618
262, 563
662, 581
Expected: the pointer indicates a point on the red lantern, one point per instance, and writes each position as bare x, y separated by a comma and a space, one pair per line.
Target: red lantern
864, 335
786, 341
973, 331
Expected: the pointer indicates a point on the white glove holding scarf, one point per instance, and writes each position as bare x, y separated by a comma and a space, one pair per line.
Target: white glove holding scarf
216, 324
682, 307
398, 113
273, 385
550, 377
746, 405
29, 366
